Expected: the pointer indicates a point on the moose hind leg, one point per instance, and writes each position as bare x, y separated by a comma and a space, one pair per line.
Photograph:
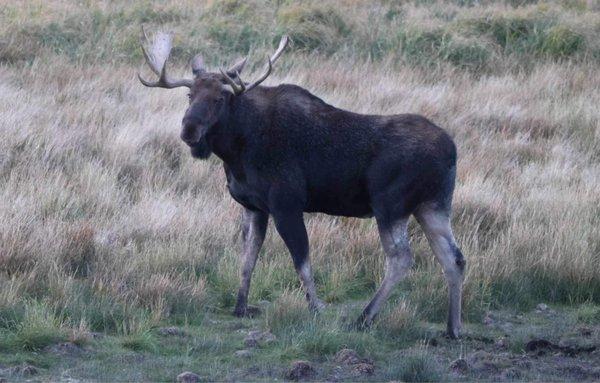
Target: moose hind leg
254, 228
436, 225
398, 261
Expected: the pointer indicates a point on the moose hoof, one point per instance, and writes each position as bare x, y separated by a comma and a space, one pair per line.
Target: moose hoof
317, 306
452, 333
361, 324
239, 312
246, 312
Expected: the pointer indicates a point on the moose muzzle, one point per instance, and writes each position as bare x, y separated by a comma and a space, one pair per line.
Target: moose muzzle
190, 132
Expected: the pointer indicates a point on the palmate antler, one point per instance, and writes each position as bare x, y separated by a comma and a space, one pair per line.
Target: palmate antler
242, 87
160, 49
157, 61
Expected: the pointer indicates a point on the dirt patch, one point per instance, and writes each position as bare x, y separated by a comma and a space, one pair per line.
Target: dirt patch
188, 377
171, 331
581, 372
357, 364
542, 346
479, 338
242, 354
65, 349
493, 363
257, 338
23, 370
363, 369
300, 370
585, 331
347, 356
460, 367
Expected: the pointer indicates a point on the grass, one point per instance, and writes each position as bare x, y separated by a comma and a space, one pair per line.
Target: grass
589, 314
143, 341
288, 311
314, 27
540, 35
477, 39
108, 226
416, 368
36, 329
401, 323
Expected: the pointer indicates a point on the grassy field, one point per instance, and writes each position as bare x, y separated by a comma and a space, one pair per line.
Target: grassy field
118, 251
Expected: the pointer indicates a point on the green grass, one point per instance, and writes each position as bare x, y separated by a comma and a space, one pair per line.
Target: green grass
288, 311
560, 41
141, 341
36, 328
539, 35
102, 312
209, 349
415, 368
398, 322
588, 314
432, 47
12, 315
525, 290
314, 28
228, 30
327, 338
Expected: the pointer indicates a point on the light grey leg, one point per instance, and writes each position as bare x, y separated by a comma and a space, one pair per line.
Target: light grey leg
398, 261
308, 283
436, 225
254, 228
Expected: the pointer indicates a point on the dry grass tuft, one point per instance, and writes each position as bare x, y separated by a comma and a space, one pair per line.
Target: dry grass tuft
79, 251
400, 322
289, 310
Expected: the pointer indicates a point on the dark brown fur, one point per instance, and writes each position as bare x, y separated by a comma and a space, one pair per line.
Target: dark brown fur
286, 152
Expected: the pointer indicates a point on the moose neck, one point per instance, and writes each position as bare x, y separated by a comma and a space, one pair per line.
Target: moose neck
229, 136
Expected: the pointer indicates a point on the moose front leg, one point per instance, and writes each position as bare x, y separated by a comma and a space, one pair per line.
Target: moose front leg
254, 228
291, 228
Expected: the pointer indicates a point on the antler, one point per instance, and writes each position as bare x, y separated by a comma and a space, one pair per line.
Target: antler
242, 87
157, 61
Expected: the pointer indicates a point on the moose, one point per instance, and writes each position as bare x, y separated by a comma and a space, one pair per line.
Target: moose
286, 152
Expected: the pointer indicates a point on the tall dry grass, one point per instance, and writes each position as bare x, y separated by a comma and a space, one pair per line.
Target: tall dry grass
106, 220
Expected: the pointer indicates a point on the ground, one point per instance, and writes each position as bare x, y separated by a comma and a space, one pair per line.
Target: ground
119, 251
548, 344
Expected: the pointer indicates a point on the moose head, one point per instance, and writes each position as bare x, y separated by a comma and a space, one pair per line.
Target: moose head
210, 93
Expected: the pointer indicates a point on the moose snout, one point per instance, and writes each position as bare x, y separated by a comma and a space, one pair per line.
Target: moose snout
190, 132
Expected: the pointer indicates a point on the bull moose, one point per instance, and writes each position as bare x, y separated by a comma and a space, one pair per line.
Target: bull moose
286, 152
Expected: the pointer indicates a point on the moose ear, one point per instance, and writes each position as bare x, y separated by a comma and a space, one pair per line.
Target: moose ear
237, 68
197, 64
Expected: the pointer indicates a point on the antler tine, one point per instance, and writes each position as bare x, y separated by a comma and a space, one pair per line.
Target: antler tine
263, 77
271, 60
157, 58
144, 40
239, 89
282, 44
